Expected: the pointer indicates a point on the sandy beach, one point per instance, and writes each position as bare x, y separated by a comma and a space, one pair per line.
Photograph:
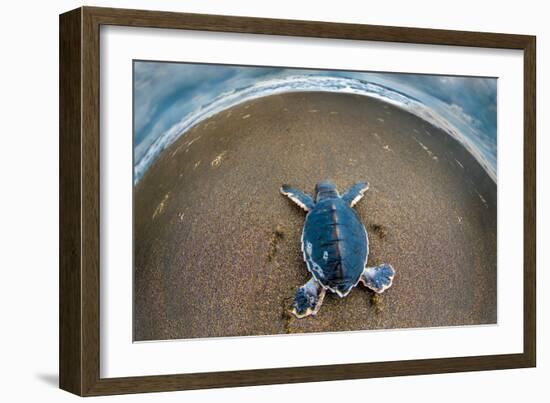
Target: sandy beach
217, 247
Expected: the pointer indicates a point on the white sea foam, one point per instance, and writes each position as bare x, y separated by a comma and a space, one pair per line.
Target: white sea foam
310, 83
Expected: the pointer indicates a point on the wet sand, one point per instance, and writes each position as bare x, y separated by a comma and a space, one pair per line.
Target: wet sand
217, 248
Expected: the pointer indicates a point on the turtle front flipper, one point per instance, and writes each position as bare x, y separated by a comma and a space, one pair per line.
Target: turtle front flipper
355, 193
302, 199
308, 299
378, 278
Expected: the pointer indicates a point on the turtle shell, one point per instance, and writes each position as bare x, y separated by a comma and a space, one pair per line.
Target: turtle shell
335, 245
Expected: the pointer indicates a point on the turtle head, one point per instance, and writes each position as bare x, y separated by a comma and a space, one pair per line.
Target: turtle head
325, 190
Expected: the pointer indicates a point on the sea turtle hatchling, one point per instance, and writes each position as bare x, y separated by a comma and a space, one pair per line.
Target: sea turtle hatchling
335, 245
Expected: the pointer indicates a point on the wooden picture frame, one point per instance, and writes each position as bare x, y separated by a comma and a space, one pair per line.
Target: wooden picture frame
79, 348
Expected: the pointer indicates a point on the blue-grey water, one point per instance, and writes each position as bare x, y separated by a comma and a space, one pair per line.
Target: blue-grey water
171, 98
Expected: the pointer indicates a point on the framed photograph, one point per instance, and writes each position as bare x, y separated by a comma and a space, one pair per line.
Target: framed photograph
251, 201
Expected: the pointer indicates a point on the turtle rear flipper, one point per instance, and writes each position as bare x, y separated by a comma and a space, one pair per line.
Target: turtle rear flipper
308, 299
378, 278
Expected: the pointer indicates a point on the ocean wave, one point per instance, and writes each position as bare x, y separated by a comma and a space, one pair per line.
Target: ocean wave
310, 83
